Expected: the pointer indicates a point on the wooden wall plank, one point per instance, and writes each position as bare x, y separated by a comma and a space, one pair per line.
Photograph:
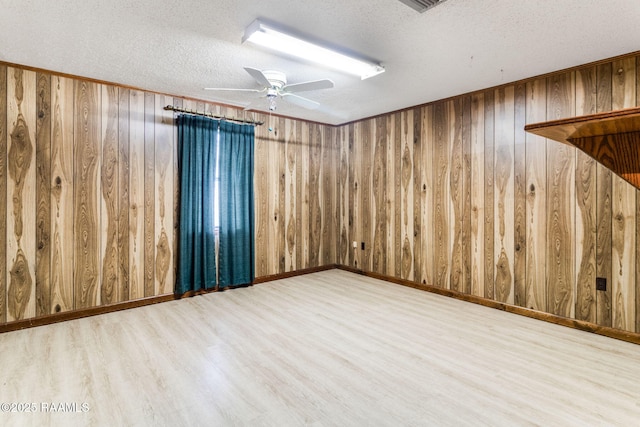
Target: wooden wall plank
344, 250
426, 174
398, 187
305, 215
586, 205
407, 177
354, 193
290, 195
466, 188
123, 188
62, 191
393, 196
21, 193
329, 170
261, 208
623, 235
441, 189
456, 195
315, 210
520, 197
536, 206
87, 190
163, 227
4, 138
136, 194
604, 179
504, 194
177, 102
109, 285
637, 256
43, 194
299, 249
149, 193
489, 193
379, 189
477, 195
419, 197
366, 136
278, 151
560, 202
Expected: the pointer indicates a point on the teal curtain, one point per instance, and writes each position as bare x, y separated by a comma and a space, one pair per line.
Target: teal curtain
197, 139
236, 251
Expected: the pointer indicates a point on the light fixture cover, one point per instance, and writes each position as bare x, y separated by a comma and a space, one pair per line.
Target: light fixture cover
271, 38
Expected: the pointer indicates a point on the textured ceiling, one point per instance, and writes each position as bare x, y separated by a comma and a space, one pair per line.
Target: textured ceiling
179, 47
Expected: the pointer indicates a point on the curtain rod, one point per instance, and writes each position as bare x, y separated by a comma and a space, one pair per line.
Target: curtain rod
199, 113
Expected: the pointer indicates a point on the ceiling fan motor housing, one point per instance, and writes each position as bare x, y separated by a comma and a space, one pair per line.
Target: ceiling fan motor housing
277, 78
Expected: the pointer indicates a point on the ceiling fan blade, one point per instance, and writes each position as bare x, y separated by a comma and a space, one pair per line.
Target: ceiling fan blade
300, 101
307, 86
259, 76
232, 89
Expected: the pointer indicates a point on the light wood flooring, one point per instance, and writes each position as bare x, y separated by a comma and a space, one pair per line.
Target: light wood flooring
325, 349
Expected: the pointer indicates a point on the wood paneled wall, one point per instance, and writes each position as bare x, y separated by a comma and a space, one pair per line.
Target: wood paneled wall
452, 194
455, 194
89, 190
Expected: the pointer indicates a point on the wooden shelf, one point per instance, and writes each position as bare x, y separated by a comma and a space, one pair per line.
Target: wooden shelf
612, 138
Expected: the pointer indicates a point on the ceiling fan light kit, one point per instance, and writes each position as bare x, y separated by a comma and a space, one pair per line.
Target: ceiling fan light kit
271, 38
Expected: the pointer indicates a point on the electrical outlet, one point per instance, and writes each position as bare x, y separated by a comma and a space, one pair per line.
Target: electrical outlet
362, 245
601, 283
355, 245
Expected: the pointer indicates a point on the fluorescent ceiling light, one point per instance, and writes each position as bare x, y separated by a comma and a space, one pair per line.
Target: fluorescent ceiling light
268, 37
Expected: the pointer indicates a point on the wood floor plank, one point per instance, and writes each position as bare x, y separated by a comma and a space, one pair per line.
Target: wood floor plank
283, 353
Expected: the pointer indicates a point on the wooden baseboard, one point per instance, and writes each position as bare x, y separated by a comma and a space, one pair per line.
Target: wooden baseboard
619, 334
94, 311
85, 312
288, 274
631, 337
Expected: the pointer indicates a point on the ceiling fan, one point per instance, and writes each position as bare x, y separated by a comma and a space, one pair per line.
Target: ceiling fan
274, 85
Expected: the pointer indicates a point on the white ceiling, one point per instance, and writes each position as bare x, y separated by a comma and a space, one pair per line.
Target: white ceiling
180, 46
